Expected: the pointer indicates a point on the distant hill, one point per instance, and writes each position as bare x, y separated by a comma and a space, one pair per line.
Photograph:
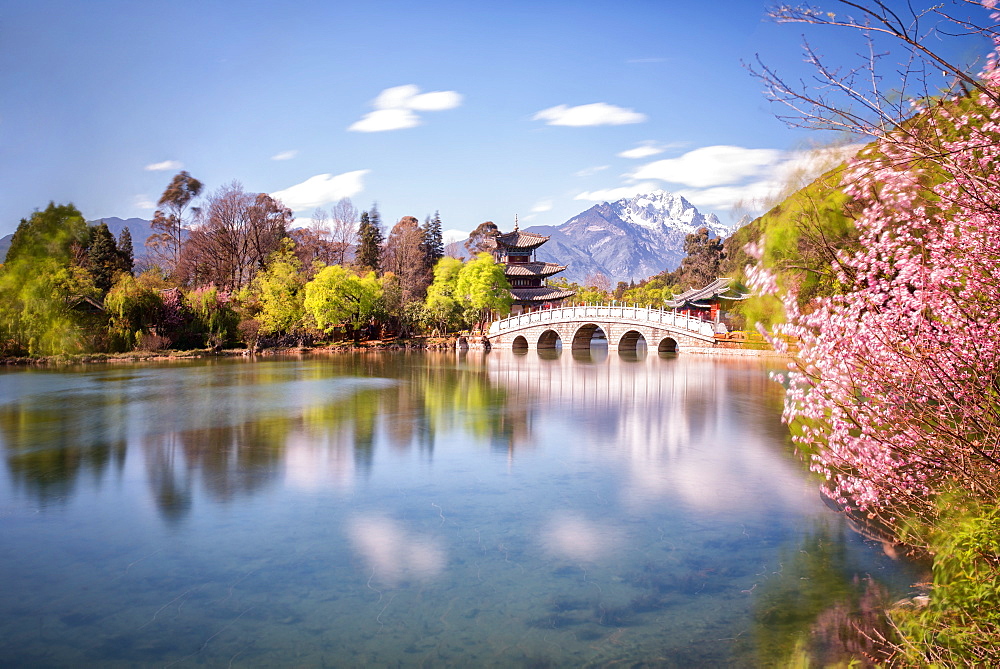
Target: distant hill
627, 240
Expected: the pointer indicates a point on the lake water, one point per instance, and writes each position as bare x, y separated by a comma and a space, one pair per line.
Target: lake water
422, 509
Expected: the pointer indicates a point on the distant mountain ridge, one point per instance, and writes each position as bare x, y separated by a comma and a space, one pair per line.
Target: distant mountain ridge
627, 240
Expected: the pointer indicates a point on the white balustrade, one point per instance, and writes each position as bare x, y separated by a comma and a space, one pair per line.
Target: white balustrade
635, 313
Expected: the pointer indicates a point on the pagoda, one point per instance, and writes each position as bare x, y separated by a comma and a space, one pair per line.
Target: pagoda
516, 252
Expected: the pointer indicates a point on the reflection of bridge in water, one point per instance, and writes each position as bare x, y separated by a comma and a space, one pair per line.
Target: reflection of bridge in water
624, 327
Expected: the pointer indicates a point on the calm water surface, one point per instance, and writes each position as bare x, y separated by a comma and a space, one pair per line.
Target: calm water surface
381, 510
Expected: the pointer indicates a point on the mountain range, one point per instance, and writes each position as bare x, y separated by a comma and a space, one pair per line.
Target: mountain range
627, 240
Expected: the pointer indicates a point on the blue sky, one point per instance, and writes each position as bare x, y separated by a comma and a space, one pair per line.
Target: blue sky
479, 110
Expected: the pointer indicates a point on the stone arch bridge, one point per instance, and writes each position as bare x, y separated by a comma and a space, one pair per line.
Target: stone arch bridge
624, 326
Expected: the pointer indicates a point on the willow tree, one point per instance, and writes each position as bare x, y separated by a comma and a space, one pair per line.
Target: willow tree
42, 283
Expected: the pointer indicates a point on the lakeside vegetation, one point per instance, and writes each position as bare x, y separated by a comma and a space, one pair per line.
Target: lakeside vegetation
233, 274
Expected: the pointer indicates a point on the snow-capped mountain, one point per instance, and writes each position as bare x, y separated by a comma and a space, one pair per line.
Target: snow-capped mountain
630, 239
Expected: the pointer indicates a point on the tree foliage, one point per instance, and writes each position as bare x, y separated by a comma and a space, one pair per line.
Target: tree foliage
432, 244
338, 296
104, 261
126, 253
239, 232
442, 306
281, 291
404, 255
480, 239
42, 283
369, 253
170, 220
483, 289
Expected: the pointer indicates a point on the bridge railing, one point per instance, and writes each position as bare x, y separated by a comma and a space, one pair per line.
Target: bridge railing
637, 314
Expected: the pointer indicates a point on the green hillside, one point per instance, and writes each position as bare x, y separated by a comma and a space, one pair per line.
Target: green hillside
802, 235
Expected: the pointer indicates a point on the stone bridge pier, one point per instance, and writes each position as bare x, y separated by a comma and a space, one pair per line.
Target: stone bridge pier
624, 327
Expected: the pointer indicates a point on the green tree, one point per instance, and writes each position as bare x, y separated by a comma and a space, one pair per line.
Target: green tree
369, 251
433, 241
41, 285
170, 219
214, 319
126, 253
133, 308
337, 296
103, 258
441, 307
281, 291
483, 289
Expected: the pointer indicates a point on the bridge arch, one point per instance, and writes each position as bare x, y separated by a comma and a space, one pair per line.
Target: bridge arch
667, 345
630, 340
548, 339
584, 335
520, 343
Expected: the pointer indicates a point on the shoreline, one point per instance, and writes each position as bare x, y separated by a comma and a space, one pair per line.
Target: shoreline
433, 344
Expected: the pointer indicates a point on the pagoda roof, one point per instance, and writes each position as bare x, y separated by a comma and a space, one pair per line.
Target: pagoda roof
540, 294
700, 297
532, 269
519, 240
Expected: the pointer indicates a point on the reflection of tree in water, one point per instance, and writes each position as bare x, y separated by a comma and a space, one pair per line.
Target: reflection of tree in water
819, 611
48, 447
229, 461
238, 445
165, 466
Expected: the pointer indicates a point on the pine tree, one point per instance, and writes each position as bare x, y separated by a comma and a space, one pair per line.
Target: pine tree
103, 257
369, 241
433, 241
126, 254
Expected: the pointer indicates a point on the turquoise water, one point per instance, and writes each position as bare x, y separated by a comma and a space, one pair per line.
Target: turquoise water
383, 510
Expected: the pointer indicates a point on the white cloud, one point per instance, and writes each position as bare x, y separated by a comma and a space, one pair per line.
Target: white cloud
598, 113
789, 173
285, 155
395, 107
711, 166
613, 194
321, 189
720, 177
381, 120
543, 205
591, 171
165, 165
644, 151
143, 202
726, 197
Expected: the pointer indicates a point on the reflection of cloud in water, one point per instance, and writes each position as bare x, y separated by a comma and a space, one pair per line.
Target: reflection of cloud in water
570, 536
682, 428
320, 462
393, 553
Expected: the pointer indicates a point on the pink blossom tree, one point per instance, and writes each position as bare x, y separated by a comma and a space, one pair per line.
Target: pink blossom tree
895, 389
